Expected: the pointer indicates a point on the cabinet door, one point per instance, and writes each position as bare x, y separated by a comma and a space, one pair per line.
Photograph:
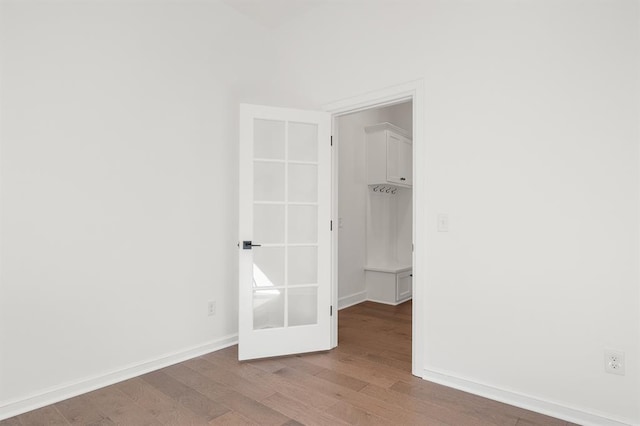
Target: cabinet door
404, 286
399, 159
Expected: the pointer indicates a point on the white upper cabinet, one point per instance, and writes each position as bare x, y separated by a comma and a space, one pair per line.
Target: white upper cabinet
389, 155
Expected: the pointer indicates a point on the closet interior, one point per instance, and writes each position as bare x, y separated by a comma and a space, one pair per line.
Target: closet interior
375, 205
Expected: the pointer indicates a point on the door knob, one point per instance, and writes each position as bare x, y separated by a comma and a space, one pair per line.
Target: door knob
246, 245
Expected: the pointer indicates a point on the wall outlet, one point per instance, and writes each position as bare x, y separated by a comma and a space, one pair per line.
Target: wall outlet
443, 222
211, 308
614, 361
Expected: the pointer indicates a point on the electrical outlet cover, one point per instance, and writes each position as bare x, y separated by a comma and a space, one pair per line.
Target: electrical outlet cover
614, 361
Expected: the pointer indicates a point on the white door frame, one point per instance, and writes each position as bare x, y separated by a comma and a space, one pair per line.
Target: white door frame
414, 91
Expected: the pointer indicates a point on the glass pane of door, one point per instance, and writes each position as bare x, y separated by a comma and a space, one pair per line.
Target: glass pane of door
285, 223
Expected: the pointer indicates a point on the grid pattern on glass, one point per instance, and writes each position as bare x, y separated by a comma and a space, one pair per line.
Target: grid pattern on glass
268, 181
303, 306
268, 308
268, 223
303, 142
268, 267
268, 139
302, 183
302, 265
285, 224
303, 224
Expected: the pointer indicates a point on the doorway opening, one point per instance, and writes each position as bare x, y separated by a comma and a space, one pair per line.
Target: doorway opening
289, 185
375, 226
376, 199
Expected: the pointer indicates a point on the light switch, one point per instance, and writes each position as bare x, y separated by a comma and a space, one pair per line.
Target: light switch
443, 222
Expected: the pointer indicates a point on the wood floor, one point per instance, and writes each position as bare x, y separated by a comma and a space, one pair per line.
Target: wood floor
366, 380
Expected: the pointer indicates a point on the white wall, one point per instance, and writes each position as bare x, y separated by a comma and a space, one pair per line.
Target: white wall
118, 190
352, 193
119, 185
532, 149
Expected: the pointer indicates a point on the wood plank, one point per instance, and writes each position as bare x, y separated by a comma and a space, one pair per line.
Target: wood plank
300, 412
353, 398
228, 378
537, 419
353, 369
197, 381
244, 403
269, 365
342, 380
82, 411
11, 421
48, 415
120, 408
299, 363
357, 416
186, 396
253, 410
293, 423
289, 389
165, 409
374, 354
232, 419
438, 414
490, 411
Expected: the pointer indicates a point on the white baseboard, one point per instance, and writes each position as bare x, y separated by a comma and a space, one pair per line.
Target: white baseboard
352, 299
388, 303
382, 302
59, 393
524, 401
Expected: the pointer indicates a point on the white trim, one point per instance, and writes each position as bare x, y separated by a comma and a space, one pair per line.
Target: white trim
527, 402
420, 207
336, 229
387, 126
384, 97
389, 269
352, 299
389, 303
414, 91
59, 393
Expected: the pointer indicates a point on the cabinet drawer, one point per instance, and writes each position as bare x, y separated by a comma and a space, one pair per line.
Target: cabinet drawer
404, 285
388, 286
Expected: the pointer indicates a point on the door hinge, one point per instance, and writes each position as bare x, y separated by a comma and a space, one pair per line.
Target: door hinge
331, 140
331, 310
330, 225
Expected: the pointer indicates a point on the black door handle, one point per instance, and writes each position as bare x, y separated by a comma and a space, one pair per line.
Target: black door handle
246, 245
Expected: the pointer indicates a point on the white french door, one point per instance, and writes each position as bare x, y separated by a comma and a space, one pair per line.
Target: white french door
285, 236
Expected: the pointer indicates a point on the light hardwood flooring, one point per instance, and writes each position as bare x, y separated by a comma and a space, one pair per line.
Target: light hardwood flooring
366, 380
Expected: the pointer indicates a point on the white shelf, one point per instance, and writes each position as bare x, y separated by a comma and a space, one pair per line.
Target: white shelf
391, 269
387, 126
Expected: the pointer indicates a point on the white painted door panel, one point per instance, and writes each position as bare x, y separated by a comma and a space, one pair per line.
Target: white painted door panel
285, 199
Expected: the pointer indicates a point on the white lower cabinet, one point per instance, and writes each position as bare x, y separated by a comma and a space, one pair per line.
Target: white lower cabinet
388, 285
404, 281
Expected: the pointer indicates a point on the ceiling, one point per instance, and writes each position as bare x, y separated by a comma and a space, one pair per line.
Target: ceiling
273, 13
